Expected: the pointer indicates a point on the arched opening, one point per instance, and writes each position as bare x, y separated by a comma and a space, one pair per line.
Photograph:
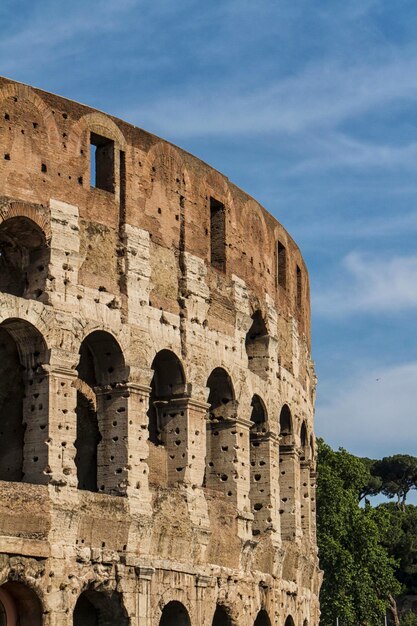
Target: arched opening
262, 619
167, 420
289, 621
168, 383
174, 614
286, 427
101, 413
289, 487
221, 617
304, 456
24, 258
19, 606
257, 344
23, 402
95, 608
221, 433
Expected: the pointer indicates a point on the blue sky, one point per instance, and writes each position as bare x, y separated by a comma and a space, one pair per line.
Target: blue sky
309, 106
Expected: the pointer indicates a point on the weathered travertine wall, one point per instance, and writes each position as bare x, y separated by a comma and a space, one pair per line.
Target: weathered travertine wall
157, 461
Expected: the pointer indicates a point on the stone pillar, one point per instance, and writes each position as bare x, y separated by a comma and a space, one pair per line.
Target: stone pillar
313, 487
62, 425
137, 471
289, 492
122, 452
181, 423
227, 467
136, 286
305, 499
144, 612
65, 256
35, 420
264, 483
201, 584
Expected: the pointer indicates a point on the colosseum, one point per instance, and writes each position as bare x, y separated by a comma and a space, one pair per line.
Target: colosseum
157, 455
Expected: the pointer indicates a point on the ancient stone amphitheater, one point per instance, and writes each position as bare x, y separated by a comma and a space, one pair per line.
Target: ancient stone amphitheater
157, 456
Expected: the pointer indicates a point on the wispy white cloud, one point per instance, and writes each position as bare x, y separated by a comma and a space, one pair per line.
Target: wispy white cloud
369, 285
321, 96
372, 413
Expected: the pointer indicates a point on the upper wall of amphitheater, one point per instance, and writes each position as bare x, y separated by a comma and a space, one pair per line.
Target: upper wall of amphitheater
147, 183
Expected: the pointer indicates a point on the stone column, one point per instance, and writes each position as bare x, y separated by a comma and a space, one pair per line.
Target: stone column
305, 499
144, 612
122, 451
227, 467
62, 425
313, 487
289, 492
65, 256
264, 485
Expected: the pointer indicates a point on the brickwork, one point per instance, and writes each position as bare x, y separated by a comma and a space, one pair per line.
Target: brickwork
157, 457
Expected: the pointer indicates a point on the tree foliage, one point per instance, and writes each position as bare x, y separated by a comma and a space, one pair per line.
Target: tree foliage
359, 579
398, 475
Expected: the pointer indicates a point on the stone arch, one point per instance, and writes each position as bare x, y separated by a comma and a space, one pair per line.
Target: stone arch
17, 91
19, 605
174, 613
252, 227
289, 621
286, 426
221, 433
167, 421
22, 209
257, 346
304, 442
96, 608
95, 122
23, 402
24, 255
101, 412
221, 616
262, 619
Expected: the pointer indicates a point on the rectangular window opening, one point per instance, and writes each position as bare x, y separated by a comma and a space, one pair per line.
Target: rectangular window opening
122, 187
101, 162
281, 265
299, 288
217, 234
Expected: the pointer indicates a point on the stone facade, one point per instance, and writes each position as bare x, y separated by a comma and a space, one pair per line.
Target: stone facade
157, 455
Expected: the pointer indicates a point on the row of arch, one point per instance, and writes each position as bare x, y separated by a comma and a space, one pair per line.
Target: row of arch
24, 260
21, 606
210, 447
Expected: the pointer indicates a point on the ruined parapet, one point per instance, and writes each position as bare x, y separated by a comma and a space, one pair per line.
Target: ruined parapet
156, 389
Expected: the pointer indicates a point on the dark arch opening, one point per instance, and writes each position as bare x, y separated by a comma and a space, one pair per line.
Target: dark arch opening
304, 442
262, 619
221, 395
289, 621
101, 364
221, 617
22, 352
20, 605
168, 382
257, 343
258, 416
95, 608
174, 614
24, 258
286, 427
